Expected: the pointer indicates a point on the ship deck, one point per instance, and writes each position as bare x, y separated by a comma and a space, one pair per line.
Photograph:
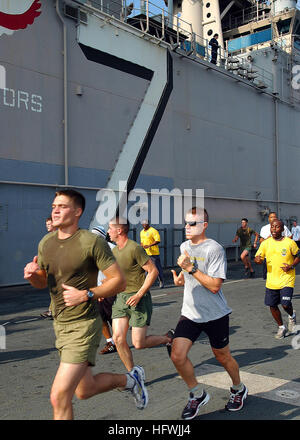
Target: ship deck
269, 367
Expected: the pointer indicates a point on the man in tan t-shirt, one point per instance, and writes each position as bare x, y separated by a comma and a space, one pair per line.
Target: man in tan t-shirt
133, 307
68, 262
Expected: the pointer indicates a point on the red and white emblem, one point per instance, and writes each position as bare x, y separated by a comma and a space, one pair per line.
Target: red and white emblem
17, 14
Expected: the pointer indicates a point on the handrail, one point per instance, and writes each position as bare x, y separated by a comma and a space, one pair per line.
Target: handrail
181, 38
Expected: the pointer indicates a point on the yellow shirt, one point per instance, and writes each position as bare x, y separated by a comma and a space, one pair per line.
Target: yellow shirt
149, 237
277, 252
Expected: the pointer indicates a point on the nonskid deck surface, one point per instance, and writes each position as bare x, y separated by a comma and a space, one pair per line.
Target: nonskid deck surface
269, 367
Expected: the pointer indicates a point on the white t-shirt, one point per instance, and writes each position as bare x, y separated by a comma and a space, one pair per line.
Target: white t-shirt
296, 233
199, 303
265, 232
101, 277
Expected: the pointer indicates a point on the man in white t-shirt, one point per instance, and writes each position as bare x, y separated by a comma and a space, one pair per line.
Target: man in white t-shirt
105, 305
265, 231
204, 308
296, 233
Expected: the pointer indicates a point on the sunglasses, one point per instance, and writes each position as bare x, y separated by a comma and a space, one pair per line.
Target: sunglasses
192, 223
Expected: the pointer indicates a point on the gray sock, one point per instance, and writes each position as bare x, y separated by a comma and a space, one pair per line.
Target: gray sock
197, 391
238, 387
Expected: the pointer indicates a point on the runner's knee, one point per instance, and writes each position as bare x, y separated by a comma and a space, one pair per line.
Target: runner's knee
119, 338
177, 357
83, 393
60, 398
138, 345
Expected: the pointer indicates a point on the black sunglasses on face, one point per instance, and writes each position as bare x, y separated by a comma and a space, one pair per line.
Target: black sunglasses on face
192, 223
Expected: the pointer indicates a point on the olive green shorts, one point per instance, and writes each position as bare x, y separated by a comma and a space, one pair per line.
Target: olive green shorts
139, 316
246, 248
78, 341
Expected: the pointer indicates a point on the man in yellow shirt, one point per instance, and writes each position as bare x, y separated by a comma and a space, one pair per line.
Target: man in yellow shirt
282, 255
150, 240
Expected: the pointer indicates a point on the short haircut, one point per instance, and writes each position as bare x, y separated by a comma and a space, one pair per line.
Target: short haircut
279, 221
77, 198
273, 212
197, 210
121, 222
245, 220
48, 219
216, 35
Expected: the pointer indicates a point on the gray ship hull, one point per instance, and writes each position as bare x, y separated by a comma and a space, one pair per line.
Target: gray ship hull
65, 118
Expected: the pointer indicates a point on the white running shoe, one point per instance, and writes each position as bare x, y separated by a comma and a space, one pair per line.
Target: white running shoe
292, 323
281, 333
139, 390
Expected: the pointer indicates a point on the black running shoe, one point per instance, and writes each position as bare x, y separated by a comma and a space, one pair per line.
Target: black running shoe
170, 334
108, 348
193, 405
46, 315
236, 399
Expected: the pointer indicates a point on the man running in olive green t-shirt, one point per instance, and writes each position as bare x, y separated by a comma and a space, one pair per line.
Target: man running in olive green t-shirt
244, 233
133, 307
68, 262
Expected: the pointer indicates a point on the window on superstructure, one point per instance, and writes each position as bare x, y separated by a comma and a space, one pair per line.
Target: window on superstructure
283, 26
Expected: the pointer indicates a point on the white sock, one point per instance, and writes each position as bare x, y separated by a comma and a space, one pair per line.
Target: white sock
110, 340
130, 382
281, 326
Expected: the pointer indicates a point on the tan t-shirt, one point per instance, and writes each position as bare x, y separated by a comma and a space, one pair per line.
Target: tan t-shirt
74, 261
131, 258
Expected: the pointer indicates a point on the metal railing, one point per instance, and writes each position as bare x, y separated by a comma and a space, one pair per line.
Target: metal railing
169, 247
157, 25
246, 15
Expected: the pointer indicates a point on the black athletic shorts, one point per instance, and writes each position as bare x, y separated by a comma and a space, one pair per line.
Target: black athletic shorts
217, 330
281, 296
105, 308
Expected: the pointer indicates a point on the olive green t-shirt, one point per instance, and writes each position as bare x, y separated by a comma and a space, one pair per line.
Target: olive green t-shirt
245, 236
131, 258
74, 261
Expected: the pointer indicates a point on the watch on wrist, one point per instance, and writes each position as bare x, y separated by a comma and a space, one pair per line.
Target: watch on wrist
90, 294
193, 270
292, 266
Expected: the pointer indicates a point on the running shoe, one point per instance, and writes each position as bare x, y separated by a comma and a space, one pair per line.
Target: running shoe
252, 274
170, 334
247, 273
193, 405
236, 399
109, 347
46, 315
139, 390
281, 333
292, 323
